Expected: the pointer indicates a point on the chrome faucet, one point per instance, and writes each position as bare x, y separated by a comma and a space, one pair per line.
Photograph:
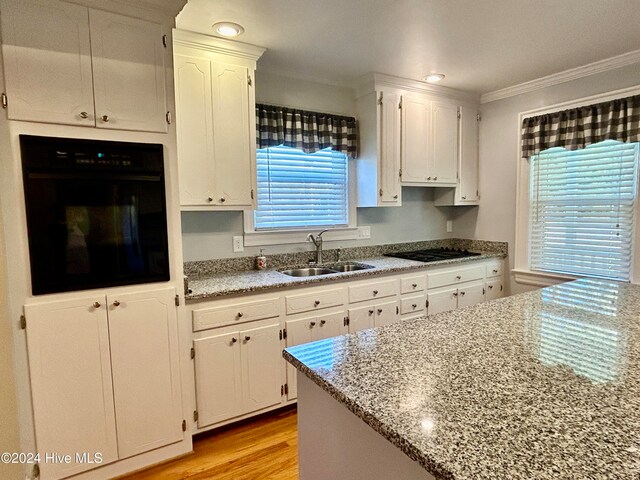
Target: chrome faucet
317, 241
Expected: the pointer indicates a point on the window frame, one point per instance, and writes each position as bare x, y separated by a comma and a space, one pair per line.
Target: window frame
253, 237
521, 270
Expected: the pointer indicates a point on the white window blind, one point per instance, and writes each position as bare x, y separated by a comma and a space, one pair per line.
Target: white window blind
298, 190
582, 211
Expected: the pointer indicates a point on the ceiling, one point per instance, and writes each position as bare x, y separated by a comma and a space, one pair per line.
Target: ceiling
481, 45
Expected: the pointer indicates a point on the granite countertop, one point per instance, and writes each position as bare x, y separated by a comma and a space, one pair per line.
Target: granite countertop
215, 285
542, 385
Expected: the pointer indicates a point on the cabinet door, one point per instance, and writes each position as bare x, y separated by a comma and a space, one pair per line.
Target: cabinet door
218, 378
467, 192
361, 318
442, 300
47, 61
330, 325
70, 371
387, 313
494, 289
128, 72
389, 149
444, 143
194, 125
143, 329
232, 142
298, 332
416, 132
470, 294
261, 356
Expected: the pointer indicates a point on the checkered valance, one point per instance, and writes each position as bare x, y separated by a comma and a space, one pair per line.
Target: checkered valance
306, 131
578, 127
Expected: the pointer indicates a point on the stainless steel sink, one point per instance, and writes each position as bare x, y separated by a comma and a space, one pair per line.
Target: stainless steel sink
307, 272
326, 270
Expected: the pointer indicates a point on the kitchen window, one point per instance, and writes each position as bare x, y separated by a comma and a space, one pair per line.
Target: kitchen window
582, 210
301, 190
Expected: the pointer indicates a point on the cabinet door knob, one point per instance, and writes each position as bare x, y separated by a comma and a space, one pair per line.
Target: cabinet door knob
116, 303
435, 178
222, 199
105, 118
84, 115
464, 198
209, 199
414, 285
312, 324
240, 314
490, 287
96, 305
458, 277
495, 271
247, 338
455, 294
379, 311
316, 303
462, 293
371, 312
428, 178
375, 292
234, 340
322, 322
395, 197
414, 305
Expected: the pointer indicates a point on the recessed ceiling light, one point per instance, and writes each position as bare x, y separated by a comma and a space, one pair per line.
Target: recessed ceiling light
228, 29
434, 77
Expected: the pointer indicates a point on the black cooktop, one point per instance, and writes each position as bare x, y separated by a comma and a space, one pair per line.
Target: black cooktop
433, 254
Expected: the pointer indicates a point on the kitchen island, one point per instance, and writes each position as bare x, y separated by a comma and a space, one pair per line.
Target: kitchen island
542, 385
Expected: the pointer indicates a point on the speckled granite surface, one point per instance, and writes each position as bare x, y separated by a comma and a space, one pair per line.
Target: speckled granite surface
282, 260
543, 385
231, 276
210, 286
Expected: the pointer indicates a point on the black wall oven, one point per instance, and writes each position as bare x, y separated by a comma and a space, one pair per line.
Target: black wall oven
96, 213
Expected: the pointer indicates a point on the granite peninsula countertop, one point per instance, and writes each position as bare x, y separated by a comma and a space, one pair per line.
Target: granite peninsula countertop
215, 285
542, 385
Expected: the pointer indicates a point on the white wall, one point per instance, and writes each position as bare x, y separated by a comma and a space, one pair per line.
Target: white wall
499, 137
208, 235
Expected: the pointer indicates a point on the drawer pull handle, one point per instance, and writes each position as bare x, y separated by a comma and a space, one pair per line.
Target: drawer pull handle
240, 314
316, 303
455, 294
116, 303
222, 200
371, 312
312, 324
375, 292
322, 322
96, 305
495, 270
490, 287
234, 340
414, 285
247, 338
462, 293
209, 199
458, 277
105, 118
379, 311
84, 115
414, 305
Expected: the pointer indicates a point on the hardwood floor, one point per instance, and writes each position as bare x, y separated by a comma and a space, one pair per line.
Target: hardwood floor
265, 448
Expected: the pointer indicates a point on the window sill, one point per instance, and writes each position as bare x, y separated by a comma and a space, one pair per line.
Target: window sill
257, 239
540, 279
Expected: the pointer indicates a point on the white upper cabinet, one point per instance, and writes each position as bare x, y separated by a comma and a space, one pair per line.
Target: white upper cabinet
73, 65
444, 143
215, 120
416, 133
128, 73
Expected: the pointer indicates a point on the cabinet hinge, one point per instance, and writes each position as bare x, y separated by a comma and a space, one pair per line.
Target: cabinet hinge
35, 473
380, 99
164, 41
483, 291
193, 353
478, 117
478, 194
400, 104
23, 322
169, 118
459, 114
400, 173
252, 194
500, 287
281, 390
286, 389
195, 415
427, 304
397, 310
284, 333
380, 192
177, 299
184, 425
249, 81
5, 101
280, 335
345, 321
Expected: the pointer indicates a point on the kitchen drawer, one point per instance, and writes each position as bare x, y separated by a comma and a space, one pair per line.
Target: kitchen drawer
412, 304
373, 290
317, 300
413, 284
233, 313
495, 268
454, 276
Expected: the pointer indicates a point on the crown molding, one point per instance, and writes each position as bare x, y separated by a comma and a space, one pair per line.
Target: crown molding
370, 82
222, 46
165, 8
600, 66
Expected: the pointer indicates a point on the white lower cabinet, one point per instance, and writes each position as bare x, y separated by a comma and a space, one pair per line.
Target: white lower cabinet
104, 377
237, 372
494, 288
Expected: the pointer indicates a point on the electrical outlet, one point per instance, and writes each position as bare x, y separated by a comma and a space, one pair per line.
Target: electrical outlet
364, 232
449, 226
238, 244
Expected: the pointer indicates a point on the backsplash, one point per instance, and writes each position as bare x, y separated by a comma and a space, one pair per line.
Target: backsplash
282, 260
